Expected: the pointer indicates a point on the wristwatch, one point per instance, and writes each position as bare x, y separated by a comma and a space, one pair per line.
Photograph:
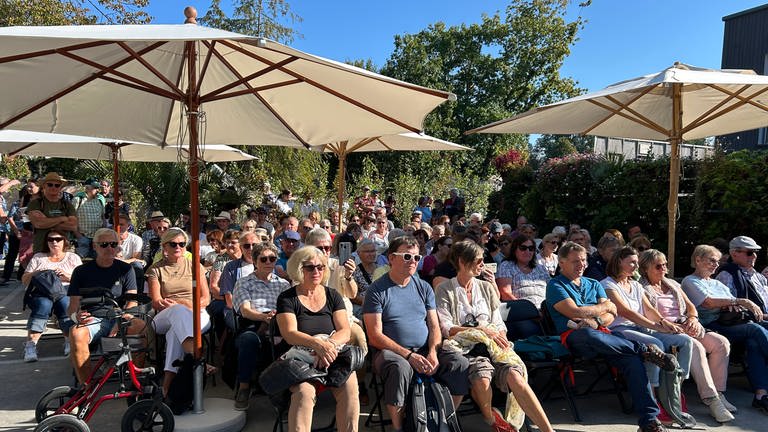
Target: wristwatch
599, 321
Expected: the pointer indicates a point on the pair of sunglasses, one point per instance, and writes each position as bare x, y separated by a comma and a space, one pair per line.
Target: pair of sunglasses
270, 258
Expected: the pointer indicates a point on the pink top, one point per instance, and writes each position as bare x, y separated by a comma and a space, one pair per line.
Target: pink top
668, 306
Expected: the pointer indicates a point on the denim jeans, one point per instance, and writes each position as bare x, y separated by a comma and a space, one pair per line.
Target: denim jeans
755, 337
662, 340
624, 355
253, 354
41, 308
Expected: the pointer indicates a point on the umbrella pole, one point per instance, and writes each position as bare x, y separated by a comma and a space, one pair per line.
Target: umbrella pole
192, 113
342, 160
115, 188
674, 173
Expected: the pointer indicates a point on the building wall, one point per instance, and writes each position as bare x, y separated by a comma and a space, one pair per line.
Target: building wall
745, 46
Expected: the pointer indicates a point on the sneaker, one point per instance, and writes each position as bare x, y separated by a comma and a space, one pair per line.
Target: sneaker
66, 347
717, 410
761, 404
655, 355
30, 351
242, 399
499, 423
729, 406
654, 426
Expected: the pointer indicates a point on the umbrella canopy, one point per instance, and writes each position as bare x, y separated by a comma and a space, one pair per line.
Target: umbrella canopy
679, 103
177, 83
13, 142
399, 142
131, 82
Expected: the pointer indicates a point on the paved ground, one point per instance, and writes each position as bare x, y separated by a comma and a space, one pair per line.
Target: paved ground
23, 383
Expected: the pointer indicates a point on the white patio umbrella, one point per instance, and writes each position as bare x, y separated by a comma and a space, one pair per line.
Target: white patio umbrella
400, 142
679, 103
26, 143
179, 84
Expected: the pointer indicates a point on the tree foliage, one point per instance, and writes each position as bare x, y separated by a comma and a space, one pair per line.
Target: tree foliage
67, 12
272, 19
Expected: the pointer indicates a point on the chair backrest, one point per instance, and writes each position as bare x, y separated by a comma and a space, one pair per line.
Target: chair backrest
523, 320
546, 321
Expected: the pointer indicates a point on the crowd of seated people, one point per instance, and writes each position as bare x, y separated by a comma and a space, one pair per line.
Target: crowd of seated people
404, 295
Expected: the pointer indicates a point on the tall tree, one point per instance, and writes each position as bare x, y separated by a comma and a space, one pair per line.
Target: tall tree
66, 12
272, 19
502, 66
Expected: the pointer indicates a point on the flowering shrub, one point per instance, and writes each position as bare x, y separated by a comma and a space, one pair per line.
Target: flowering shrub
511, 160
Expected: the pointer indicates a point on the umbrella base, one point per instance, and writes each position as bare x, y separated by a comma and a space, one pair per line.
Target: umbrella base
219, 416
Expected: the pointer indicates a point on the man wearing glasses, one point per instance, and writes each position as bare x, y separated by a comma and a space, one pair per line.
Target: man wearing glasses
234, 271
740, 275
50, 211
401, 321
105, 275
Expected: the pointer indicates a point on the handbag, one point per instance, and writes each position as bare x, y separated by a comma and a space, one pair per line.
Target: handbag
45, 284
735, 316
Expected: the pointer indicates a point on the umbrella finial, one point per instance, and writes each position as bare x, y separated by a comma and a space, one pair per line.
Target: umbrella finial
191, 15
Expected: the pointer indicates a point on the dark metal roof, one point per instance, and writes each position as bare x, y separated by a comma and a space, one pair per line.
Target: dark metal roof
745, 12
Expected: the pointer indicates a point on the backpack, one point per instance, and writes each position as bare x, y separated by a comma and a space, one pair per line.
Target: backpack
541, 348
44, 284
430, 407
181, 390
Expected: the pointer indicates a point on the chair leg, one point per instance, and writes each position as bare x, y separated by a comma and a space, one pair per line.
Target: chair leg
377, 409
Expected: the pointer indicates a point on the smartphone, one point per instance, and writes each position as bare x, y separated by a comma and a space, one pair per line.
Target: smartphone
491, 266
345, 252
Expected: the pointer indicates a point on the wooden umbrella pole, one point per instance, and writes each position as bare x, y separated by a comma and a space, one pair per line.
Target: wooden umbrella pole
674, 172
192, 114
342, 153
115, 188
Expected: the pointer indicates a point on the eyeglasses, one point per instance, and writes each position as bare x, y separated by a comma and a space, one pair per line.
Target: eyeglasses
505, 244
408, 257
523, 248
233, 242
381, 222
309, 268
291, 241
748, 252
264, 238
247, 245
324, 248
177, 244
55, 239
270, 258
712, 261
661, 266
473, 321
325, 226
554, 242
162, 228
105, 245
642, 248
53, 185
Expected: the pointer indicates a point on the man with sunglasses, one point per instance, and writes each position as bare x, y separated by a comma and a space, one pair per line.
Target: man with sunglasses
103, 276
50, 211
401, 320
234, 271
741, 277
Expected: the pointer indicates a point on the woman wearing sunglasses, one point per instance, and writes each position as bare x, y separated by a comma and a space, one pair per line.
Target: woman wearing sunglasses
519, 277
713, 300
465, 303
255, 303
305, 311
709, 356
53, 257
170, 288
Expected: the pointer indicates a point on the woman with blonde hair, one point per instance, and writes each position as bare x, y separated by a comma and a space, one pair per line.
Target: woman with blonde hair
304, 313
709, 356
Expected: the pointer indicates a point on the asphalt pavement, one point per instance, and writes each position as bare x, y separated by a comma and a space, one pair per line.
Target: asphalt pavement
23, 384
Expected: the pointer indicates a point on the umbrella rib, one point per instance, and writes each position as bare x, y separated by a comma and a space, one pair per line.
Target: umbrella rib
150, 68
325, 89
363, 143
425, 90
700, 120
47, 52
243, 80
631, 110
252, 90
618, 112
279, 118
143, 84
72, 88
153, 91
207, 62
18, 150
742, 101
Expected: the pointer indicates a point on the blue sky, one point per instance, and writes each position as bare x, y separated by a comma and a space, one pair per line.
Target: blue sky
622, 39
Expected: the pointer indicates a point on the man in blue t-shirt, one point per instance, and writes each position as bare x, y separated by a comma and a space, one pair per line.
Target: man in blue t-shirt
579, 305
402, 324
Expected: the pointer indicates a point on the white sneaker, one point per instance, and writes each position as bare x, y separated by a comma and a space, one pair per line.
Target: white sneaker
30, 351
729, 406
66, 347
718, 411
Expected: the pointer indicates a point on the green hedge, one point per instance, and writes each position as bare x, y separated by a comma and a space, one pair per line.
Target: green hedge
722, 196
